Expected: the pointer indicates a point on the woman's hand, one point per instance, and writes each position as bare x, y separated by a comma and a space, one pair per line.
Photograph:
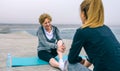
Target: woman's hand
83, 61
59, 43
61, 46
87, 63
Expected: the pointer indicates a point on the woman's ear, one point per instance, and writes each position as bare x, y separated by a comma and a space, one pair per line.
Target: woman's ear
83, 17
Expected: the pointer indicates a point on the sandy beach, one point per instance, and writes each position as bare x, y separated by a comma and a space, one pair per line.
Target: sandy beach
22, 44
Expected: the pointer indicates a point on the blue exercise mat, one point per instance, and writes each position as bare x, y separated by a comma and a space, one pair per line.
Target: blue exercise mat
27, 61
31, 61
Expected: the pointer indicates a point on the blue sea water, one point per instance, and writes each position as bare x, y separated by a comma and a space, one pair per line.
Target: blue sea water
65, 33
68, 33
116, 31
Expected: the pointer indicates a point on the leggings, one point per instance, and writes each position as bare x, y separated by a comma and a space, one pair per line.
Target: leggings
46, 56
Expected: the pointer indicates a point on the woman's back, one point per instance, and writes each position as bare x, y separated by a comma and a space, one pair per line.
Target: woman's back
99, 42
102, 48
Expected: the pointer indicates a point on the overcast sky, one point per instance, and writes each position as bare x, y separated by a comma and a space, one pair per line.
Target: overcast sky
62, 11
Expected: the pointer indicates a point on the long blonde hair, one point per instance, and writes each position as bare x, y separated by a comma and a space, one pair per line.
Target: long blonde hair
94, 13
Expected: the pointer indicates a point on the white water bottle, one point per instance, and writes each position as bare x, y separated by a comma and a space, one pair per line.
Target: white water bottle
9, 62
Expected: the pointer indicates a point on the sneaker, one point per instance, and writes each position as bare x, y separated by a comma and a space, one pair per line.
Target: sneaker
61, 64
65, 66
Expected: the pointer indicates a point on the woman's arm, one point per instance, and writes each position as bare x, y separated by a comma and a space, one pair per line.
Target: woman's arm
75, 49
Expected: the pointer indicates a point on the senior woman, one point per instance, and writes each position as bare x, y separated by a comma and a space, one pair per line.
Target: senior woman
50, 43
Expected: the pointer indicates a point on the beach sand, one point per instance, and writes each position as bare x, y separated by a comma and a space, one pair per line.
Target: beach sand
22, 44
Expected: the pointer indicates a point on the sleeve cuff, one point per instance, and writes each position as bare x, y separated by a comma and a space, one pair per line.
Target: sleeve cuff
79, 59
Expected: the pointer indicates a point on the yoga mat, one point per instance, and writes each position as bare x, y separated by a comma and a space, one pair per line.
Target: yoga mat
31, 61
27, 61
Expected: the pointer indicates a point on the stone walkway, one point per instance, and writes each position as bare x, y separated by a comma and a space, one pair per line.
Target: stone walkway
23, 44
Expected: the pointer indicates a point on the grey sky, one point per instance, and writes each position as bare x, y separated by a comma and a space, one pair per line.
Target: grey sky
62, 11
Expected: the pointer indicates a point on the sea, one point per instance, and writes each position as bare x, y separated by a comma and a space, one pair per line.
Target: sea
67, 31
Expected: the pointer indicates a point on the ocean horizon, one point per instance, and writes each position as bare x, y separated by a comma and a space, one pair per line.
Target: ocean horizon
67, 30
27, 26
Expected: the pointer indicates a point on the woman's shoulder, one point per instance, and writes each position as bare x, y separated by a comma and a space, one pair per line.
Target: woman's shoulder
40, 29
82, 29
88, 28
54, 27
79, 30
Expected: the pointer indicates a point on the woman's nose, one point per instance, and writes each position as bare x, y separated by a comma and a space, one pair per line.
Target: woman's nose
48, 24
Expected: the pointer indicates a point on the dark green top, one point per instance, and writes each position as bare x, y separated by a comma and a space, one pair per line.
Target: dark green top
101, 46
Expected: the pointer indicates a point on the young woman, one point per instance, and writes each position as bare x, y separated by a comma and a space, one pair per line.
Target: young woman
50, 43
99, 42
